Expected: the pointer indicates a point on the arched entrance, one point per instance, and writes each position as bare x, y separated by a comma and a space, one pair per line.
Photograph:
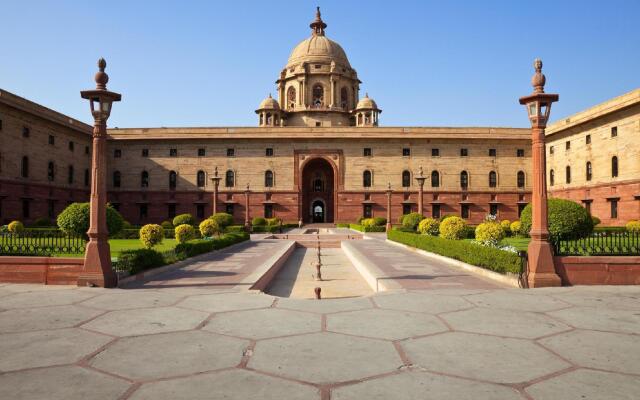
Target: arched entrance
318, 191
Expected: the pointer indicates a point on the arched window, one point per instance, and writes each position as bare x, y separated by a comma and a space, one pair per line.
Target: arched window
614, 166
200, 178
173, 179
144, 179
70, 174
520, 179
464, 179
366, 178
435, 179
568, 174
406, 178
493, 179
291, 97
116, 179
344, 98
318, 96
229, 179
269, 119
51, 172
589, 171
24, 170
552, 177
268, 179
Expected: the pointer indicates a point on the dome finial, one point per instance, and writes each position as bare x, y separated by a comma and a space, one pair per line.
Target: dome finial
538, 80
318, 26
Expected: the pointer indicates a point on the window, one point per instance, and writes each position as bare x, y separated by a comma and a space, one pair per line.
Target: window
24, 168
552, 177
406, 179
143, 211
229, 208
268, 152
435, 179
201, 152
366, 152
25, 132
464, 180
268, 210
144, 179
520, 179
550, 149
200, 178
367, 211
589, 171
366, 179
344, 98
435, 152
51, 172
87, 177
171, 210
71, 146
173, 152
116, 206
231, 152
51, 209
229, 179
86, 149
406, 152
52, 140
406, 209
200, 211
435, 211
520, 209
116, 179
614, 131
567, 145
493, 179
173, 180
464, 152
614, 208
0, 130
492, 152
291, 97
70, 174
587, 139
318, 124
268, 179
145, 152
464, 211
568, 174
117, 153
318, 96
493, 209
26, 209
520, 153
614, 167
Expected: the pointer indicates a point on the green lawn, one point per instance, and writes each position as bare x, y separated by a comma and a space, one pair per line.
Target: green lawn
119, 245
518, 243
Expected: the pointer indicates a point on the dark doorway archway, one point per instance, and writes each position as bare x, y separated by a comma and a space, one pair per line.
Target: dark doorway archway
318, 191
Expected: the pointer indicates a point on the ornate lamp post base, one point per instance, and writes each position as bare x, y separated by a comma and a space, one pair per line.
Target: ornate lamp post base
97, 269
540, 255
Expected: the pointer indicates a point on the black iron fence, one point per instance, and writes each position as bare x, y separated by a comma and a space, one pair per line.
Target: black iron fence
41, 243
600, 244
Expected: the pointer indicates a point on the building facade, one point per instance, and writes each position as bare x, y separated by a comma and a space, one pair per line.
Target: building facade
318, 154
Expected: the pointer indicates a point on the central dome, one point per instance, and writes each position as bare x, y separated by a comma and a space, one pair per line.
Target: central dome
318, 48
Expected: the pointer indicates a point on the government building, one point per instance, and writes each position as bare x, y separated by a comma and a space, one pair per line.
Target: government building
319, 153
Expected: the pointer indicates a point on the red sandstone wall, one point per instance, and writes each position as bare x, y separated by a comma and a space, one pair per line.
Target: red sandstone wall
44, 270
598, 270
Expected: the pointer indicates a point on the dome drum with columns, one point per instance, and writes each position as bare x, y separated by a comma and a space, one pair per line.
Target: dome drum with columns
318, 87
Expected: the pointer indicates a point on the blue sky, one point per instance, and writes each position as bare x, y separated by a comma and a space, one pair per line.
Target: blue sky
426, 63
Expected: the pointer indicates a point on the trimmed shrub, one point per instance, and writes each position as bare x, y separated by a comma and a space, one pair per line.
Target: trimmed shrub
184, 233
506, 226
209, 227
379, 221
567, 219
470, 253
184, 219
42, 222
445, 216
412, 220
595, 220
235, 228
166, 225
135, 261
222, 219
273, 221
633, 226
151, 235
490, 233
75, 219
201, 246
369, 228
359, 220
127, 225
516, 228
453, 228
15, 227
368, 222
429, 226
258, 221
401, 218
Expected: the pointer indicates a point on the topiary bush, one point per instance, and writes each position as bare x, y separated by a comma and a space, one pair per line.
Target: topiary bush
401, 218
200, 246
138, 260
490, 233
506, 226
166, 225
222, 219
429, 226
368, 222
75, 219
184, 233
633, 226
273, 221
595, 220
567, 219
15, 227
379, 221
516, 228
151, 235
209, 227
184, 219
258, 221
412, 220
452, 228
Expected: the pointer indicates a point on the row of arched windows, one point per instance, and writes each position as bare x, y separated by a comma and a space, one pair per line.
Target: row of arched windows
318, 100
229, 179
588, 172
51, 172
435, 179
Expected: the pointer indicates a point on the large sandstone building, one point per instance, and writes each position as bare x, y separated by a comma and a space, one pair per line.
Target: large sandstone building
318, 154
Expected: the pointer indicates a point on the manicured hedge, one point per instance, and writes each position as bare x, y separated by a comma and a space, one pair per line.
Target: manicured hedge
481, 256
200, 246
135, 261
342, 225
363, 228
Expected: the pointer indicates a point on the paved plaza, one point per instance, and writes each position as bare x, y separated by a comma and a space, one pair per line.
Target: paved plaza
197, 333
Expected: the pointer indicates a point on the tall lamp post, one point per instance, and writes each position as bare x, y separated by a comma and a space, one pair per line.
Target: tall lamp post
389, 193
97, 269
420, 178
216, 183
541, 267
247, 217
